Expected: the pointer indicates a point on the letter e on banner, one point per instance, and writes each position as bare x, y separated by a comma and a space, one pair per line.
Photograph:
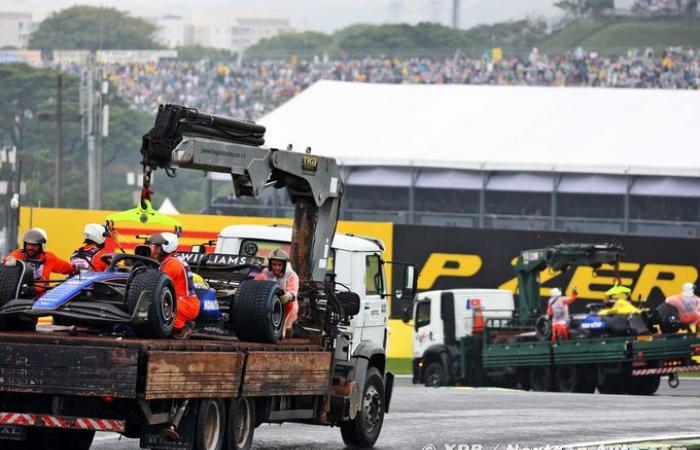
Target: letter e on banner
447, 265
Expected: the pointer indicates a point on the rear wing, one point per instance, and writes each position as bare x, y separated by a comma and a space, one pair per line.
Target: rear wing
219, 266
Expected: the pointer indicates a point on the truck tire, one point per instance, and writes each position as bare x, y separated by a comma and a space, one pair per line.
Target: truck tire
435, 375
541, 379
240, 424
258, 312
646, 385
566, 378
162, 308
363, 431
210, 426
11, 280
615, 384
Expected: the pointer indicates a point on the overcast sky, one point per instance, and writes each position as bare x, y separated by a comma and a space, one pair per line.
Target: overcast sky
325, 15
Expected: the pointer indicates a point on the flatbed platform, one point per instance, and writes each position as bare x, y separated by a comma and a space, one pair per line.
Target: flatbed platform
69, 363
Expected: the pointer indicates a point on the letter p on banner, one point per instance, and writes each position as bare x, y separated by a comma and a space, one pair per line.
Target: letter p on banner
447, 265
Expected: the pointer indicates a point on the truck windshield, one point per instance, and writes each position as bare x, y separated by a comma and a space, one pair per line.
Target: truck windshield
262, 248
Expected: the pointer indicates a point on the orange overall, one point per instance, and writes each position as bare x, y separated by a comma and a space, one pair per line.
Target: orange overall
43, 266
187, 301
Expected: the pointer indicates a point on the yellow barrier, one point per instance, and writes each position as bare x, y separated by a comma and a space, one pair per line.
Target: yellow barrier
65, 230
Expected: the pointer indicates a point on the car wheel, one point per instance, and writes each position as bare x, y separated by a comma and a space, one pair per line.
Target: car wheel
153, 292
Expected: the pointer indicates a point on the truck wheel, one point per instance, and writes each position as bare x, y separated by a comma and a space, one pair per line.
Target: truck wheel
363, 430
614, 384
210, 425
162, 304
568, 379
258, 312
646, 385
11, 281
240, 424
435, 375
541, 379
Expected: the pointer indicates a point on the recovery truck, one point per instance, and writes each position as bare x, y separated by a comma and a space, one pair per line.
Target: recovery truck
210, 392
513, 349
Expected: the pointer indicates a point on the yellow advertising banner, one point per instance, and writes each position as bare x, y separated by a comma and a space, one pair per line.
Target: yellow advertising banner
65, 230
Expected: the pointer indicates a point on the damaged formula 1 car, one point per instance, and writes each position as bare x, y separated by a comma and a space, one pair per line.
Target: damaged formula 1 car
132, 291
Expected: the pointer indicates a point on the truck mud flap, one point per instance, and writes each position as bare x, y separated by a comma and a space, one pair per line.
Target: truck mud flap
150, 438
388, 390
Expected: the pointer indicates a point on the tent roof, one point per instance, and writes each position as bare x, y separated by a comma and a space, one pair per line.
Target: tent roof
502, 128
168, 208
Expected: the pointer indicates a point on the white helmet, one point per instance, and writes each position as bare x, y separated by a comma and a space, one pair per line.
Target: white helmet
95, 232
555, 292
168, 241
689, 289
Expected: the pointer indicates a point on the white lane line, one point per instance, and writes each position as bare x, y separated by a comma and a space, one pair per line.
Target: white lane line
658, 437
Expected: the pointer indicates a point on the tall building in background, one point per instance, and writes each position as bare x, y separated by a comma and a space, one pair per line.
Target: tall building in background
248, 31
15, 29
172, 31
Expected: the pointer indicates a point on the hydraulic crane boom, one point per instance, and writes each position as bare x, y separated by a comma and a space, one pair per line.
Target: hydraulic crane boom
560, 257
186, 138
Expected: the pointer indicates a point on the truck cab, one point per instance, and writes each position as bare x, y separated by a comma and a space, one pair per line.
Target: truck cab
355, 261
441, 319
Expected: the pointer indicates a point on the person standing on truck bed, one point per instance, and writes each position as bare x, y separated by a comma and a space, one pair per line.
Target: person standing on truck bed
687, 304
89, 256
164, 249
558, 310
43, 263
279, 270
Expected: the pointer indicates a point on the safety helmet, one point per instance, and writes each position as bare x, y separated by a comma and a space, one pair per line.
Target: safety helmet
618, 291
168, 241
35, 236
95, 232
689, 288
555, 292
278, 255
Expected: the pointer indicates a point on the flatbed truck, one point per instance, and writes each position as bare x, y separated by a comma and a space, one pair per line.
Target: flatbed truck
449, 349
58, 386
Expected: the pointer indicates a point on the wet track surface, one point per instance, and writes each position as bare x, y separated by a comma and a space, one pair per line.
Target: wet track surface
423, 418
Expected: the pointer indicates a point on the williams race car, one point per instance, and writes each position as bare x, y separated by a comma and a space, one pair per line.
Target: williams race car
133, 291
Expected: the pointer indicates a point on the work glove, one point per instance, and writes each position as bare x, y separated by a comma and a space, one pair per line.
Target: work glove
286, 298
11, 261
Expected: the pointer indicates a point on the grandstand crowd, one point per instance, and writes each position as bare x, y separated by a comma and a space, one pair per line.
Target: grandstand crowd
253, 88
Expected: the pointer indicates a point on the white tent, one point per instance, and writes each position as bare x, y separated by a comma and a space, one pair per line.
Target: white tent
495, 128
168, 208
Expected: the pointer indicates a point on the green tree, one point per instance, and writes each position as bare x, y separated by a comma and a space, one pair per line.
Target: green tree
92, 28
581, 7
305, 44
198, 53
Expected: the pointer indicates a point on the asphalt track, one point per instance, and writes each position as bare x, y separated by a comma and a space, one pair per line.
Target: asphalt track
495, 419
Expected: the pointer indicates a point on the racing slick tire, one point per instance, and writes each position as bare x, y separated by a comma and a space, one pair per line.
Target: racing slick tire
258, 312
363, 431
543, 328
162, 303
644, 385
240, 424
210, 426
11, 281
